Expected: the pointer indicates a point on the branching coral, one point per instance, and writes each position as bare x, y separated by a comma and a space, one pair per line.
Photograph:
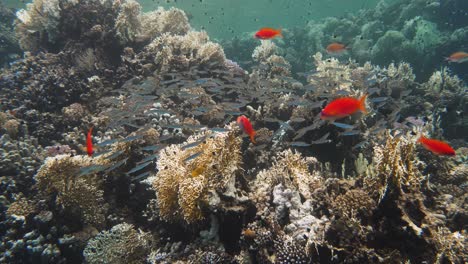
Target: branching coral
181, 52
159, 21
289, 169
186, 176
38, 24
60, 174
271, 65
394, 164
332, 76
127, 25
122, 244
353, 203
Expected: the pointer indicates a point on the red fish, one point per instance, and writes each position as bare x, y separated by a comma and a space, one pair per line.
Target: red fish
436, 146
268, 33
458, 57
343, 107
336, 48
245, 124
89, 143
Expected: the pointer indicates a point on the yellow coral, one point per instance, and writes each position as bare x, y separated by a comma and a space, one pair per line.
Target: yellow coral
394, 163
186, 175
61, 175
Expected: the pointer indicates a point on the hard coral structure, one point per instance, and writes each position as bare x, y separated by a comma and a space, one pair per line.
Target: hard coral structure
290, 170
395, 166
50, 24
270, 64
121, 244
180, 52
61, 175
188, 176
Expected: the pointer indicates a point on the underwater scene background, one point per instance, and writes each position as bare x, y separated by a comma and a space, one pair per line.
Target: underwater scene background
209, 131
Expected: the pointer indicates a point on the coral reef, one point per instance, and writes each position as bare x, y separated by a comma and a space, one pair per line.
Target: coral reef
172, 179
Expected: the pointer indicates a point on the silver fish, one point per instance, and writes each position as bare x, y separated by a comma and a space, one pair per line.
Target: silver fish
299, 144
343, 125
140, 167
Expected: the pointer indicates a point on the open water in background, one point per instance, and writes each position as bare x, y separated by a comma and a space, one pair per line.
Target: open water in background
225, 19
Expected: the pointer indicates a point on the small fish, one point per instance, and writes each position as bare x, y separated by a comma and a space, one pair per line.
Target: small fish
336, 48
141, 176
350, 133
115, 154
405, 93
297, 120
193, 144
371, 91
360, 144
322, 140
342, 125
107, 142
89, 142
152, 148
436, 146
343, 107
116, 165
299, 144
91, 169
140, 167
194, 156
150, 158
268, 33
458, 57
132, 138
218, 129
245, 125
378, 99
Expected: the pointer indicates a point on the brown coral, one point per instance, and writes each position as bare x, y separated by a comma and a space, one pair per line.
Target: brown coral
181, 52
122, 244
61, 175
186, 175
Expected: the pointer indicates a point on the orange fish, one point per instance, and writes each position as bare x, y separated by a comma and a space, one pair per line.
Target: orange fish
458, 57
268, 33
336, 48
245, 124
89, 143
343, 107
436, 146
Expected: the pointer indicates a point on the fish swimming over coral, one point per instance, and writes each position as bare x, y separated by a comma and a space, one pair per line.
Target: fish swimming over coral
89, 142
436, 146
343, 107
268, 33
336, 48
245, 124
458, 57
